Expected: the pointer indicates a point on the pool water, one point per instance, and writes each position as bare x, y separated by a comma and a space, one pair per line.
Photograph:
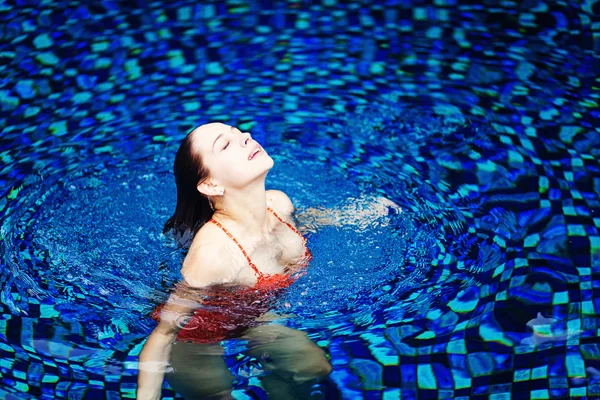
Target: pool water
481, 120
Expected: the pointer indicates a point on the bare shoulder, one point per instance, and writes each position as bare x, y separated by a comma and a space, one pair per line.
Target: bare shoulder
281, 203
209, 260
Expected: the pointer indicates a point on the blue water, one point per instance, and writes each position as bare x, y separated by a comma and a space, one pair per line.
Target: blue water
480, 120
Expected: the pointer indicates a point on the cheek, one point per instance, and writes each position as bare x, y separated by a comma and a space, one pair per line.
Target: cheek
221, 168
232, 167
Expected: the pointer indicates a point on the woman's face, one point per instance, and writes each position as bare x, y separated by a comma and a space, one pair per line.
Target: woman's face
233, 158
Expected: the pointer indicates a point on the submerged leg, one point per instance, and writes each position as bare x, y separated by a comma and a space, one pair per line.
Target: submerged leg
200, 372
295, 363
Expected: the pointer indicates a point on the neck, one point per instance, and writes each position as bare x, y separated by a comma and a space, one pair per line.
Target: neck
247, 207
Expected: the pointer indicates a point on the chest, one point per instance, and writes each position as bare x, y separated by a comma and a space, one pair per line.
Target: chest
272, 254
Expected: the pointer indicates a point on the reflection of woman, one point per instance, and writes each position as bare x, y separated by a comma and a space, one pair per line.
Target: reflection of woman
243, 249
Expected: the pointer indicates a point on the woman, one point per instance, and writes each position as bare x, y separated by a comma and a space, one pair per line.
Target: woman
244, 249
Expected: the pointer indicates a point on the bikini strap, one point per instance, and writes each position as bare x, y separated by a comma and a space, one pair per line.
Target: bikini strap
288, 224
214, 221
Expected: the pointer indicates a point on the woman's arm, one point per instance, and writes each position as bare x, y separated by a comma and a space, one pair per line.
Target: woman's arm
200, 270
361, 211
156, 353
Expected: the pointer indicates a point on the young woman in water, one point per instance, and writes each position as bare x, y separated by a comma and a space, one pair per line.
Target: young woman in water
244, 250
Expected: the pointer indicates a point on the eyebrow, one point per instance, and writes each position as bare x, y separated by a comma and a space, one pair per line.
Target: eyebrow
219, 137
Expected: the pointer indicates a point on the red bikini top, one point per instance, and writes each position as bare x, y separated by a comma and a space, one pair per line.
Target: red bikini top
268, 279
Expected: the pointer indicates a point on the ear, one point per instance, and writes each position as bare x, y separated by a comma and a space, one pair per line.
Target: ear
209, 188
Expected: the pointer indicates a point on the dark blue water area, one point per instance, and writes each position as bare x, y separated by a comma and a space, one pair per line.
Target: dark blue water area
478, 120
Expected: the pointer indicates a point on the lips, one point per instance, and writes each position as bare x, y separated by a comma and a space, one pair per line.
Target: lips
254, 152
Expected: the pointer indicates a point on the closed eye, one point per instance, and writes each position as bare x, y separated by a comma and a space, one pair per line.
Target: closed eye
227, 145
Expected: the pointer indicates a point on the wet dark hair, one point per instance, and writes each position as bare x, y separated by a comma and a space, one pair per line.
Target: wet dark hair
193, 208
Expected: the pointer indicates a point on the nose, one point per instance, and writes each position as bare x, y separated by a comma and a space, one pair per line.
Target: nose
246, 138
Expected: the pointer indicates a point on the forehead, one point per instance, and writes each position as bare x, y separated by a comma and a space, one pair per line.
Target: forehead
204, 135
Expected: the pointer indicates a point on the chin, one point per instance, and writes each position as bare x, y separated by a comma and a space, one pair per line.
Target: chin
268, 165
261, 168
271, 161
266, 161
